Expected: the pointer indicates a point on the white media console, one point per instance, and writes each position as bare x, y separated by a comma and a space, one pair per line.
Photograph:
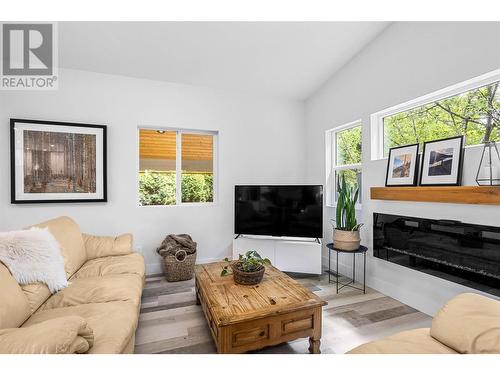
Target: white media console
289, 254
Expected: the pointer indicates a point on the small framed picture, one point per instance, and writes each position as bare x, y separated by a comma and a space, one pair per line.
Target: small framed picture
442, 162
54, 162
402, 166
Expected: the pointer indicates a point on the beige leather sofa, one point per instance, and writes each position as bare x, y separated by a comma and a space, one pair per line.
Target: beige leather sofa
96, 313
467, 324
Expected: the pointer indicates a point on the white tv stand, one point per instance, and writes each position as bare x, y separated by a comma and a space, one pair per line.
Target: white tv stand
289, 254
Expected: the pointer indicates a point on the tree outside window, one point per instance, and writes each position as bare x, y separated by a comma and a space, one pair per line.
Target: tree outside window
474, 113
346, 156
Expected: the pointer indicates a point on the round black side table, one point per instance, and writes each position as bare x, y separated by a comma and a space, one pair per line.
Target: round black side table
350, 284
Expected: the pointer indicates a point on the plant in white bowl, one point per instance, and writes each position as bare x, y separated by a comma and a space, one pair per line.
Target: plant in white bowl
346, 228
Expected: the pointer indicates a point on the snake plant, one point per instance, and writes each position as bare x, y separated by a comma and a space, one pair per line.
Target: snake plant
346, 206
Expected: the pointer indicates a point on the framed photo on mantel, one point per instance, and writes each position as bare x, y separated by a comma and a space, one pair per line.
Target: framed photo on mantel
56, 162
402, 166
442, 162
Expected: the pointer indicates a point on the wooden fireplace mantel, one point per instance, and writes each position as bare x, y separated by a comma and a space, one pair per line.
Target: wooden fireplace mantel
442, 194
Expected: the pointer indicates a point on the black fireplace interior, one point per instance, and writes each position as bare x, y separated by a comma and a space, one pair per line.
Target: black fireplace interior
467, 254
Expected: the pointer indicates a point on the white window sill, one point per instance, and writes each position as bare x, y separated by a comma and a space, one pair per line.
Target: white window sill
200, 204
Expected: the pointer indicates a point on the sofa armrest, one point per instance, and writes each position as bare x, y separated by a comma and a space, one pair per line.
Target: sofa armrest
103, 246
65, 335
469, 324
414, 341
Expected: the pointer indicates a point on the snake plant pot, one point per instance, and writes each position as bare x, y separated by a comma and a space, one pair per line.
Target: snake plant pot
247, 278
346, 240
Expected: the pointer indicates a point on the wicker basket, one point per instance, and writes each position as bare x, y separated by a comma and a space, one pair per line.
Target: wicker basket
247, 278
346, 240
180, 266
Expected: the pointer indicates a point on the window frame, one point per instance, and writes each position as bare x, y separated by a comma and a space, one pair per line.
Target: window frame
331, 161
377, 119
178, 164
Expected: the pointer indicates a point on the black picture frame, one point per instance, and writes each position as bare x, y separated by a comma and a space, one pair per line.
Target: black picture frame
415, 167
458, 180
15, 200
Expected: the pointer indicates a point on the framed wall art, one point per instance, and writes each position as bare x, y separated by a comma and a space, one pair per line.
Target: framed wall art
55, 162
442, 162
402, 166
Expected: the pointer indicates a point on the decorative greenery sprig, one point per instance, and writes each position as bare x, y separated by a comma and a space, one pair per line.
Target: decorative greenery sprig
346, 206
250, 262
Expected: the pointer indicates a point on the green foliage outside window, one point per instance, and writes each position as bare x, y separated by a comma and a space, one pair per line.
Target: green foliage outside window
158, 188
197, 187
475, 114
349, 146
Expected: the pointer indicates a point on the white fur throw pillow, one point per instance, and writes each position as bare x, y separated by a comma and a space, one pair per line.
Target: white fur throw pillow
33, 255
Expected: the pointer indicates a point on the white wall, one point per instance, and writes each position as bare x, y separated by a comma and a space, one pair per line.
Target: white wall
260, 141
406, 61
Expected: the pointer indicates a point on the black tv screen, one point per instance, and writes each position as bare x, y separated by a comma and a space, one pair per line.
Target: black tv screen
279, 210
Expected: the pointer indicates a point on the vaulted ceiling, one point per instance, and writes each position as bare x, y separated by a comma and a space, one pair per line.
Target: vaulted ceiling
286, 59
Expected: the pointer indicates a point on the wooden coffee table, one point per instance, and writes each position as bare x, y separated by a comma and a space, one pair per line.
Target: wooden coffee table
243, 318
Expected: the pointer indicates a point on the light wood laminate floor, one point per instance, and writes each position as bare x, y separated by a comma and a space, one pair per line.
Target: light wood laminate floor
171, 322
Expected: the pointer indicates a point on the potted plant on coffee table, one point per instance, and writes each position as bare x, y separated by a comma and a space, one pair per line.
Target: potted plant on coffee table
346, 228
248, 269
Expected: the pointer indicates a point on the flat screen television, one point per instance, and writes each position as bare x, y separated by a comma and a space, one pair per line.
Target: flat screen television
279, 210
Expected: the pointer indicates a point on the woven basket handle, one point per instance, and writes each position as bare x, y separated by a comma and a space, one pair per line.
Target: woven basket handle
183, 255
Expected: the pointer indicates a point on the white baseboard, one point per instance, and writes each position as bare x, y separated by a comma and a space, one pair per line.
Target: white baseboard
153, 269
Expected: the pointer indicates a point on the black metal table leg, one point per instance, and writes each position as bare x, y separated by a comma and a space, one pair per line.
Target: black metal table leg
337, 273
364, 273
329, 270
353, 268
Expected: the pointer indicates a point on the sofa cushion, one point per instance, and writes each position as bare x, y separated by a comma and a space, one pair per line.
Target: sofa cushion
469, 323
68, 234
66, 335
113, 323
101, 246
112, 265
37, 294
416, 341
14, 306
100, 289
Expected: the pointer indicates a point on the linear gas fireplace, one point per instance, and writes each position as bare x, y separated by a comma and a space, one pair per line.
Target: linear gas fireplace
467, 254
